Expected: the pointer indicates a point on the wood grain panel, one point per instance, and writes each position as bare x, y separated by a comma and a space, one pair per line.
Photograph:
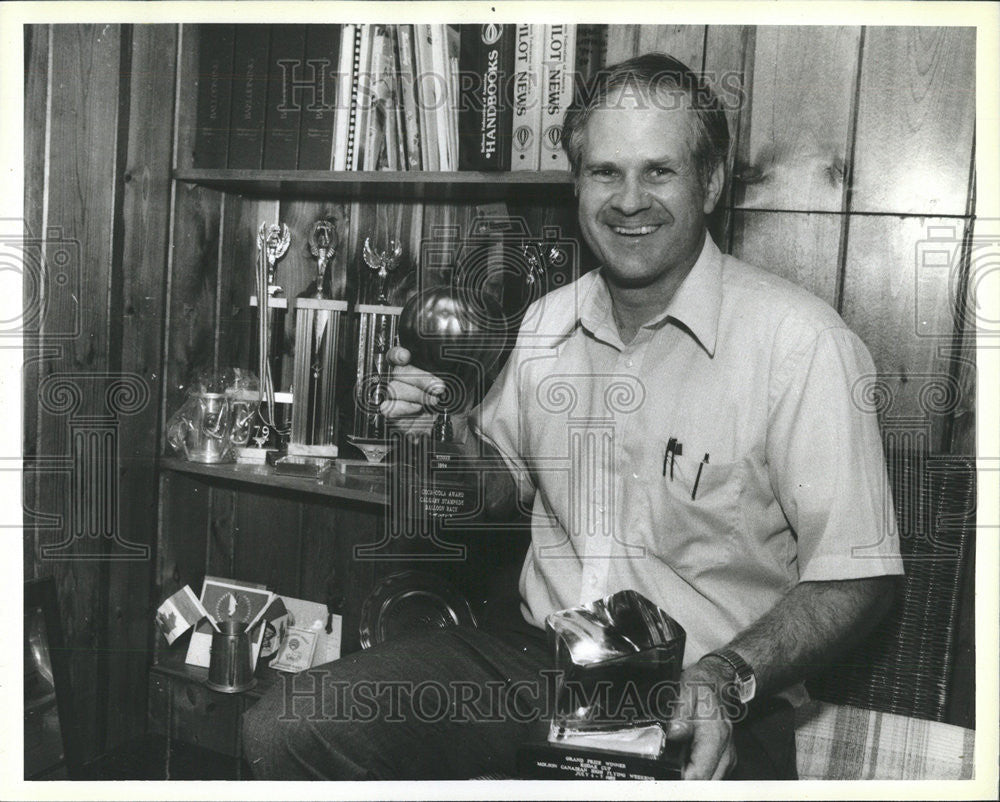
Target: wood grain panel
794, 135
802, 248
36, 90
82, 177
728, 61
916, 121
182, 539
186, 95
329, 533
241, 219
222, 531
686, 43
623, 42
267, 541
901, 309
145, 214
190, 336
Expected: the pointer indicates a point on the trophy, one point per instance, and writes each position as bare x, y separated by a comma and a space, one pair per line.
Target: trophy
618, 662
317, 330
456, 334
272, 243
377, 325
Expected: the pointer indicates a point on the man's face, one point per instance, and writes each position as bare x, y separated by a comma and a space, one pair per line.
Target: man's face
642, 204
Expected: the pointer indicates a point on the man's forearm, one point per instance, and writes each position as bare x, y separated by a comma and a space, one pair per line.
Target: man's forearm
810, 627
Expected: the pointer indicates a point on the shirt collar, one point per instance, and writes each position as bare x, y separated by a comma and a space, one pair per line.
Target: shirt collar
695, 305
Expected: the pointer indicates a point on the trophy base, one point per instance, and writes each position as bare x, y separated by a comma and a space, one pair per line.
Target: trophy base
541, 760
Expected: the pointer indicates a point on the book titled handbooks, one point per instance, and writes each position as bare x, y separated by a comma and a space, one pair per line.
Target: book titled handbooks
486, 62
319, 97
559, 59
215, 85
284, 109
249, 100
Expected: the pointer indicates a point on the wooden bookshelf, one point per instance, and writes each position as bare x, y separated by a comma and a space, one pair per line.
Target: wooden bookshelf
415, 185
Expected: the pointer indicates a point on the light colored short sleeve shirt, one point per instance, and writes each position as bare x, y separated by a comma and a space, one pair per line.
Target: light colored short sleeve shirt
779, 476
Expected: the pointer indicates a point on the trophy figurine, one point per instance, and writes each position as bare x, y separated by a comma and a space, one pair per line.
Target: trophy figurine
377, 324
383, 263
272, 244
618, 662
317, 328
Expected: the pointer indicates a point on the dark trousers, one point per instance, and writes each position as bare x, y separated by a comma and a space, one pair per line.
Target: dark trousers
443, 704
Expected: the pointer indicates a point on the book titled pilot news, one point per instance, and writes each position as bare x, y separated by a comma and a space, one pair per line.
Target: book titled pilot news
525, 141
215, 68
559, 59
486, 60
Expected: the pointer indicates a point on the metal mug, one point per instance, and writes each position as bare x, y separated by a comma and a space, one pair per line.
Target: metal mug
230, 669
201, 429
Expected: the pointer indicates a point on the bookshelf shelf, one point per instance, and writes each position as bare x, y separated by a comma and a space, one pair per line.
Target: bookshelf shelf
465, 186
263, 475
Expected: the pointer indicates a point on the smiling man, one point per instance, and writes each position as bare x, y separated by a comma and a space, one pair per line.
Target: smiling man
679, 423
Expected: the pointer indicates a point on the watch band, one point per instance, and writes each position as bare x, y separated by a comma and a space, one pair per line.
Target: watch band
746, 680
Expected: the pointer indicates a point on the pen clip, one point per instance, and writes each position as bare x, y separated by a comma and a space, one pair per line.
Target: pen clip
668, 455
697, 478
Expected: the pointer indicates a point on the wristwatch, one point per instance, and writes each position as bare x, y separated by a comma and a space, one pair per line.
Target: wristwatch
745, 681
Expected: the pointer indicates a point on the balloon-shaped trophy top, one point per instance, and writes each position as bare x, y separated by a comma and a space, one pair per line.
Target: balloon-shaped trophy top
455, 334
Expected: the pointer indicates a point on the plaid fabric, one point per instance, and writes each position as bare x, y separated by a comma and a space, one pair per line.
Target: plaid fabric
836, 742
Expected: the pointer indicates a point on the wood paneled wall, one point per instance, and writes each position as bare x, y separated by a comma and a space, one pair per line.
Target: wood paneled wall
852, 159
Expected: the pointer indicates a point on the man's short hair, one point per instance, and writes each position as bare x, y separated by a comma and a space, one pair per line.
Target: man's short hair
653, 75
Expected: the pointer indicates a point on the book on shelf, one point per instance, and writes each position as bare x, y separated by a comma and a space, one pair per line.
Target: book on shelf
345, 97
559, 49
380, 143
249, 97
427, 94
215, 85
526, 134
284, 112
361, 97
441, 111
591, 51
319, 105
486, 63
408, 96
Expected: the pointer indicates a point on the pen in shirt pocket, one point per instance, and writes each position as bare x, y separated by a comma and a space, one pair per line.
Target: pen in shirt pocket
674, 449
697, 478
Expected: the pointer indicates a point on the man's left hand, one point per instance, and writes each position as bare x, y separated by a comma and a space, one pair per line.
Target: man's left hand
703, 718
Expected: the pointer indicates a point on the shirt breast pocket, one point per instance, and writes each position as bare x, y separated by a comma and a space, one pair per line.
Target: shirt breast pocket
699, 515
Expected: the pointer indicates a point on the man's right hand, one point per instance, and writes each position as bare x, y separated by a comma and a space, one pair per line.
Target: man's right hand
411, 403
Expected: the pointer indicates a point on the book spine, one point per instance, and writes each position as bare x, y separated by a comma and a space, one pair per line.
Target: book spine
411, 115
398, 120
525, 141
591, 50
284, 112
361, 101
486, 62
442, 80
377, 133
427, 89
557, 92
319, 104
215, 86
342, 114
246, 128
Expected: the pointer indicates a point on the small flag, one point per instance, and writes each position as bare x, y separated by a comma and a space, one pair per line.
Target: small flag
179, 613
